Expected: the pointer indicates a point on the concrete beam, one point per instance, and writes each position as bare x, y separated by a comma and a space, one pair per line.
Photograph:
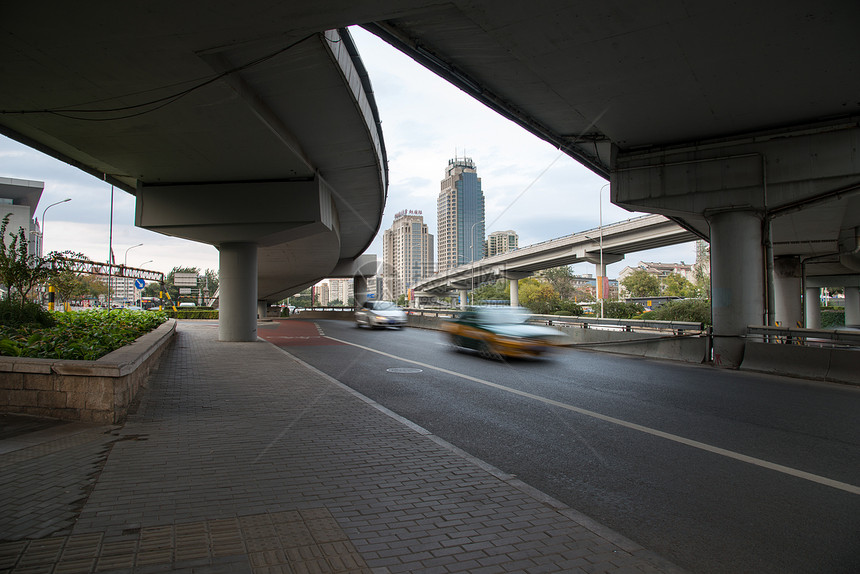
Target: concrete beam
215, 213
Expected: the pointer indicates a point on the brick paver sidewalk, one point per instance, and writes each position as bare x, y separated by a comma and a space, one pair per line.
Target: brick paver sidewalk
240, 458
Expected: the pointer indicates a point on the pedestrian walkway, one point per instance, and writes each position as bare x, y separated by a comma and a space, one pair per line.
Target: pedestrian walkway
240, 458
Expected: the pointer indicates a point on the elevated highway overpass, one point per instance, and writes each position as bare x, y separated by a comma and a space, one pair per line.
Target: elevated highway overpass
601, 247
740, 122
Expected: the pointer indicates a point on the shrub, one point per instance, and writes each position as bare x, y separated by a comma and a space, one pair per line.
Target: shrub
12, 314
693, 310
82, 335
619, 309
192, 313
832, 319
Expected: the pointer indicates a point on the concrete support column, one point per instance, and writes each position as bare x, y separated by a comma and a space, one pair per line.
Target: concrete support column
515, 293
238, 302
359, 283
787, 288
813, 307
852, 305
262, 309
463, 297
737, 282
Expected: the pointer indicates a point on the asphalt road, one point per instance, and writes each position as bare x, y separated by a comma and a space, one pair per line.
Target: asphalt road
718, 471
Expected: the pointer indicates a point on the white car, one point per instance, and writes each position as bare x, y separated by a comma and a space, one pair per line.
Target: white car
380, 314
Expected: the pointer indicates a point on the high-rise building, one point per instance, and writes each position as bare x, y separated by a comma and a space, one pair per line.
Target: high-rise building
460, 210
501, 242
340, 289
407, 254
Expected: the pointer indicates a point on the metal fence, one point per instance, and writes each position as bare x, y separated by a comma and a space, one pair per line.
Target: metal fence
835, 338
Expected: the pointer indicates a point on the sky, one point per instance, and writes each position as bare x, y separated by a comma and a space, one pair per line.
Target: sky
529, 186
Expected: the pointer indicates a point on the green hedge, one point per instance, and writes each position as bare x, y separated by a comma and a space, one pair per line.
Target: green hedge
832, 319
192, 313
693, 310
83, 335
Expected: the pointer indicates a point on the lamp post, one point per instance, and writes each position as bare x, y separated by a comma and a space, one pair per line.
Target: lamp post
124, 262
602, 269
473, 258
42, 246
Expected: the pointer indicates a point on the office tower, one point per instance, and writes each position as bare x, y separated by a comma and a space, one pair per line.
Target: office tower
501, 242
407, 254
460, 210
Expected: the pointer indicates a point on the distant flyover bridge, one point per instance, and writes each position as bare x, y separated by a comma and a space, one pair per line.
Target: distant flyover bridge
600, 247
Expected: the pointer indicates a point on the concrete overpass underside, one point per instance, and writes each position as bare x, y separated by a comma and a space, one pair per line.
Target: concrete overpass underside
243, 127
739, 121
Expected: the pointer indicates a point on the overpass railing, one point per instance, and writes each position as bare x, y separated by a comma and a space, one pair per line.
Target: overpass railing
840, 338
629, 325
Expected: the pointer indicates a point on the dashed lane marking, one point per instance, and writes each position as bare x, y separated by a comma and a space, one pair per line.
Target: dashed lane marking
633, 426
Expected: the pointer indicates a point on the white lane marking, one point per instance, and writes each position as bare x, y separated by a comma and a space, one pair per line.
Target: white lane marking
669, 436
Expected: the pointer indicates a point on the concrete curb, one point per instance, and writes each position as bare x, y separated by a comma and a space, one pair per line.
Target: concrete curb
87, 391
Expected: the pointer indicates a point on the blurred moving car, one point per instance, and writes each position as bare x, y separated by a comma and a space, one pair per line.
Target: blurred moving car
497, 332
380, 314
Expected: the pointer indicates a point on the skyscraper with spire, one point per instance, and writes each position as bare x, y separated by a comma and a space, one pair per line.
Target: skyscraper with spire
460, 215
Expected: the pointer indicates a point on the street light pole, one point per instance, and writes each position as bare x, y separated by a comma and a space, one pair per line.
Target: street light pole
473, 259
124, 262
602, 269
42, 233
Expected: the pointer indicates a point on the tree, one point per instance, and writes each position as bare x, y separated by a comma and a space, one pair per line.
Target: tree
93, 286
676, 285
640, 283
695, 310
301, 300
210, 279
561, 278
20, 271
621, 309
702, 269
539, 297
497, 291
68, 285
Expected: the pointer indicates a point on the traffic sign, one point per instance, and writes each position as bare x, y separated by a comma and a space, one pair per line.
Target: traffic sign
139, 283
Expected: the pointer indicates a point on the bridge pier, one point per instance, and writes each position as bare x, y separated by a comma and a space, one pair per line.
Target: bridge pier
514, 279
237, 320
813, 307
852, 305
788, 305
359, 283
737, 282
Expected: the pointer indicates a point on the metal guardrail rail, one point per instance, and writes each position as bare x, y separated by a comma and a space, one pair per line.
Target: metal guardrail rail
811, 337
677, 327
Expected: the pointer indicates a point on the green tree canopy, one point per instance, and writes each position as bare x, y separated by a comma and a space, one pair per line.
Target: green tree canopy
640, 283
561, 278
498, 290
676, 285
696, 310
20, 271
538, 296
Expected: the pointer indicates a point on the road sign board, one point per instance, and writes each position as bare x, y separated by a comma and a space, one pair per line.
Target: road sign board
139, 283
185, 279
